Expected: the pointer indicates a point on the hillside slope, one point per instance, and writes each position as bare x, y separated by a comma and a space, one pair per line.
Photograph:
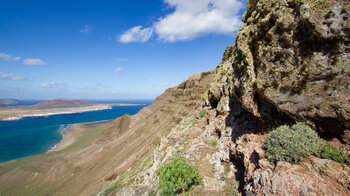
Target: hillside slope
290, 63
88, 170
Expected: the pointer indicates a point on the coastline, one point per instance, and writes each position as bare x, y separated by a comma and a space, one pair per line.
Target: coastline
62, 131
71, 133
68, 137
12, 114
51, 129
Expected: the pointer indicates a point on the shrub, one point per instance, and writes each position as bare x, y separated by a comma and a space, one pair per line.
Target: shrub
202, 113
291, 144
328, 151
177, 176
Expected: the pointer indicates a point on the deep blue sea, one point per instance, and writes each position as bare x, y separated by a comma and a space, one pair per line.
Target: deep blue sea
31, 136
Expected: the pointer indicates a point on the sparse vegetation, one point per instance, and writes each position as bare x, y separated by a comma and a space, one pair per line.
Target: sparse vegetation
111, 188
162, 157
212, 143
231, 189
152, 193
202, 113
177, 176
328, 151
291, 144
148, 163
193, 122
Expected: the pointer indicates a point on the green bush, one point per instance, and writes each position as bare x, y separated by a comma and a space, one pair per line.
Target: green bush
177, 176
202, 113
328, 151
291, 144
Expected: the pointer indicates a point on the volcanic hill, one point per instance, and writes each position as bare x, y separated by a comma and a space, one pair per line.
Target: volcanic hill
9, 101
62, 103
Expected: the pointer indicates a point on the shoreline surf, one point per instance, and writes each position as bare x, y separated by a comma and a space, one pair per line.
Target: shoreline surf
69, 133
62, 131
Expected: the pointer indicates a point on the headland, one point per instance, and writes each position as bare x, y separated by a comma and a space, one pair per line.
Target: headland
52, 107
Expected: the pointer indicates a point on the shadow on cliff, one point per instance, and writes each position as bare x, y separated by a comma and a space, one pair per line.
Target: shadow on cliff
243, 122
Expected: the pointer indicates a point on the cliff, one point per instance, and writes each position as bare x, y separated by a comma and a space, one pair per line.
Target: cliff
292, 58
290, 63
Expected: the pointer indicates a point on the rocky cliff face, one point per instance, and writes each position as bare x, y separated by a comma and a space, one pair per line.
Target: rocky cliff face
291, 62
292, 58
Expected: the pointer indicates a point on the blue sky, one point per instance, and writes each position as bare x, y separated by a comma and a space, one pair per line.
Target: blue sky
110, 49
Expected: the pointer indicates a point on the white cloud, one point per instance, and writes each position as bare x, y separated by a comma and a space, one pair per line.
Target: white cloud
122, 59
118, 70
50, 85
12, 76
86, 29
136, 34
26, 61
5, 57
30, 61
17, 58
194, 18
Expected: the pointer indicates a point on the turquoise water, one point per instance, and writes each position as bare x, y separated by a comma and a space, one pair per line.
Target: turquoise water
31, 136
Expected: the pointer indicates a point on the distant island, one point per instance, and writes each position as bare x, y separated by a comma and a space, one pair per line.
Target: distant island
8, 101
62, 103
52, 107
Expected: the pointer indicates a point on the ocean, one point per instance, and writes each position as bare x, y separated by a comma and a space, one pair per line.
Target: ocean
31, 136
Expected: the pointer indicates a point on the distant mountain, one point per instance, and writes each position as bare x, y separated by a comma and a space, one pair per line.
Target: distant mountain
8, 101
62, 103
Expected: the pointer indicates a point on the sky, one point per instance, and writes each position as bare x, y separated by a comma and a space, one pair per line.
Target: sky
110, 49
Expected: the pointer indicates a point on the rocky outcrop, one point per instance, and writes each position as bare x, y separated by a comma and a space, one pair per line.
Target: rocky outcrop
291, 62
314, 175
293, 58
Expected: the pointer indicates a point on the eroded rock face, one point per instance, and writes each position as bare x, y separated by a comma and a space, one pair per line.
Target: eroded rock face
290, 63
295, 56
